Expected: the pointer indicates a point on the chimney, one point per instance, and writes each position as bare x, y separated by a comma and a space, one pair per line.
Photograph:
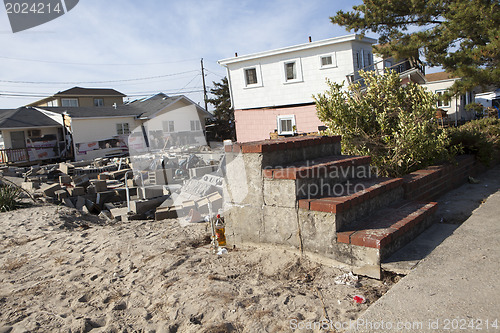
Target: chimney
310, 39
236, 54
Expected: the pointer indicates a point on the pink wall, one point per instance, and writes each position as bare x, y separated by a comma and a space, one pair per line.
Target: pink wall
256, 124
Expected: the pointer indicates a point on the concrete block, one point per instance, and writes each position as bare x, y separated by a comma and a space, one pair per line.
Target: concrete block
68, 203
131, 183
100, 185
142, 206
30, 186
66, 168
117, 213
201, 171
75, 191
49, 190
317, 231
150, 192
168, 213
64, 179
61, 194
280, 227
82, 180
280, 192
107, 196
80, 203
104, 176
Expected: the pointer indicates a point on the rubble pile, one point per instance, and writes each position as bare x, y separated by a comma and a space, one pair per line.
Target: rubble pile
160, 186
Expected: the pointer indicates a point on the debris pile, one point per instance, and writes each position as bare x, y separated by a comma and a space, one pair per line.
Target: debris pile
185, 185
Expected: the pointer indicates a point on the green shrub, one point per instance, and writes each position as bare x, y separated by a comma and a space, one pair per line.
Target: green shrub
9, 197
391, 122
478, 137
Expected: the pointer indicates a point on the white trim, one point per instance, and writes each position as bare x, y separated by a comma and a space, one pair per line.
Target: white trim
258, 73
331, 41
333, 56
297, 71
286, 117
448, 103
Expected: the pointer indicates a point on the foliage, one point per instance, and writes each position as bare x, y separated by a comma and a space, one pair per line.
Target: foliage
462, 36
392, 123
9, 196
224, 113
475, 107
479, 137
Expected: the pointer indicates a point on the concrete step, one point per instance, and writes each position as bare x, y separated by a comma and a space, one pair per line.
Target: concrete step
370, 240
350, 201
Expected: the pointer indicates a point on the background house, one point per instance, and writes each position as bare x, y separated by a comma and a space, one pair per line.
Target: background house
82, 97
273, 90
438, 83
168, 121
29, 136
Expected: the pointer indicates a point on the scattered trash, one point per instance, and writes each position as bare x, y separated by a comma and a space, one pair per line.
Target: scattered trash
359, 299
347, 279
222, 251
473, 180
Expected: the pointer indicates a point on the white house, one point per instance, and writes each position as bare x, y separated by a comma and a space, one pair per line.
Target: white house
438, 83
273, 90
142, 125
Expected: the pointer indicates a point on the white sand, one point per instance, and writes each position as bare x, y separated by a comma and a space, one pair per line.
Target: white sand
154, 277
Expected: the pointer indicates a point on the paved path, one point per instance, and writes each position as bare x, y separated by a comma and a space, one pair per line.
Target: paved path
455, 289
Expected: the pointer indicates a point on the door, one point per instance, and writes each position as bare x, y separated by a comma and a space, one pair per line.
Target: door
18, 140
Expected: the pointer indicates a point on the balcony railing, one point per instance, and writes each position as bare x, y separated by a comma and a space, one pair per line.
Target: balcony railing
402, 68
10, 156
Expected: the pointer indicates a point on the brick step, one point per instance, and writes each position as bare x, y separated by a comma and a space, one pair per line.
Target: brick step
374, 238
353, 200
334, 166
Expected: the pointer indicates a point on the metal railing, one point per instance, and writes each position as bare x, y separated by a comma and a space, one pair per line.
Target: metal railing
401, 68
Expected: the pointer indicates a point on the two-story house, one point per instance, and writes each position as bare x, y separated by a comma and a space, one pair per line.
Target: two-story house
273, 91
82, 97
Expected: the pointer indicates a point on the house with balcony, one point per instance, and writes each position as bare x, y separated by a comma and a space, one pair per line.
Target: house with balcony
82, 97
272, 91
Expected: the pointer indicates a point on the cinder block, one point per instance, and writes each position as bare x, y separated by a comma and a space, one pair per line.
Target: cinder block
30, 186
80, 203
75, 191
50, 190
64, 179
168, 213
82, 180
151, 192
100, 185
201, 171
66, 168
61, 194
142, 206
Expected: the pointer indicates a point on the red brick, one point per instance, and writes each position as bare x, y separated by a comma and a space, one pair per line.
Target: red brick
327, 205
305, 203
363, 238
267, 173
344, 237
288, 173
228, 148
253, 148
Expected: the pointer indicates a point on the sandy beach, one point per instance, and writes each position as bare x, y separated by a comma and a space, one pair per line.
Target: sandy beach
61, 271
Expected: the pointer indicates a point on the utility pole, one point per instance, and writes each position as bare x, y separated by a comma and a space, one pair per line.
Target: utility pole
204, 86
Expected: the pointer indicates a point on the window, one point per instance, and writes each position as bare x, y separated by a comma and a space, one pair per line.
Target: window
98, 102
53, 102
122, 129
251, 76
195, 125
286, 125
368, 60
358, 60
441, 103
69, 102
292, 71
470, 98
168, 126
34, 133
328, 61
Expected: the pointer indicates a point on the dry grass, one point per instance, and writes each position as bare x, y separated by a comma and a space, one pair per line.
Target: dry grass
14, 264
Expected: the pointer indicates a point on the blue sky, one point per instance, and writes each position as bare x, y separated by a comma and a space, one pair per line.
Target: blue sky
117, 41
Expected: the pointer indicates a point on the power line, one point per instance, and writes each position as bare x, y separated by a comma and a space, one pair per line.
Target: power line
95, 64
98, 82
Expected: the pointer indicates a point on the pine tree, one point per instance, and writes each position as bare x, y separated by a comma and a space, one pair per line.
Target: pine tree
224, 113
462, 36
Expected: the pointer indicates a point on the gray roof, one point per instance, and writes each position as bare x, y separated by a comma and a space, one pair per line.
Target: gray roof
78, 91
25, 117
95, 112
151, 105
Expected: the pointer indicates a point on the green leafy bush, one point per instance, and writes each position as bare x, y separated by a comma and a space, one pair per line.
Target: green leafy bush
391, 122
9, 197
478, 137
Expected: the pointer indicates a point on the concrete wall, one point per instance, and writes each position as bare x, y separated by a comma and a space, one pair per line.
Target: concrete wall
273, 90
254, 125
